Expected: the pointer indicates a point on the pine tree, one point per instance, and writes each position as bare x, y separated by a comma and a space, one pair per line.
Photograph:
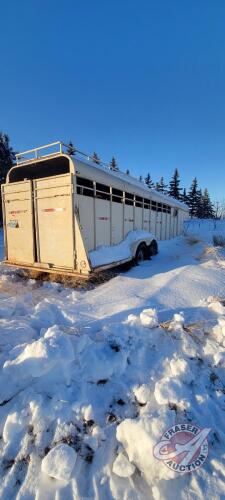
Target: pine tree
127, 172
184, 196
208, 211
174, 185
161, 186
149, 182
200, 209
194, 198
7, 158
140, 178
113, 165
95, 158
71, 150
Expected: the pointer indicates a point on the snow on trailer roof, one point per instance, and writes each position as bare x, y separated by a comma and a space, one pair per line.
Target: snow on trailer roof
33, 155
129, 179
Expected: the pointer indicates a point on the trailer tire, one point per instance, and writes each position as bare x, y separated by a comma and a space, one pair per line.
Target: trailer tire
141, 254
153, 248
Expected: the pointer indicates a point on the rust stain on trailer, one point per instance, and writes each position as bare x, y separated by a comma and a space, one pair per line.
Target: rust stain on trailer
53, 210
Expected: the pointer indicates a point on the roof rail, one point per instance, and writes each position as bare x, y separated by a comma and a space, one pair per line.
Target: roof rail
32, 154
58, 147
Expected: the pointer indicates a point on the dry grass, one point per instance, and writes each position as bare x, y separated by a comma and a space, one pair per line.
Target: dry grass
208, 251
77, 282
187, 328
193, 329
74, 281
193, 240
218, 240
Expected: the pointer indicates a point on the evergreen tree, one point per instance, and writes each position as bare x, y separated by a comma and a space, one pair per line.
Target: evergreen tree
194, 199
71, 150
140, 178
113, 165
95, 158
149, 182
174, 185
7, 158
208, 211
184, 196
161, 186
200, 205
127, 172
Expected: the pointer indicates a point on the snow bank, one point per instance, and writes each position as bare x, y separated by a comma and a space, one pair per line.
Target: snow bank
90, 380
107, 254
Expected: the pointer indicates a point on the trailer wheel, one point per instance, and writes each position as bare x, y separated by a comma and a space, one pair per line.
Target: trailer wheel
153, 248
141, 253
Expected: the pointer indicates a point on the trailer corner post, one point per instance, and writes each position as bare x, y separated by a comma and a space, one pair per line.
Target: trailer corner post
110, 211
94, 186
4, 223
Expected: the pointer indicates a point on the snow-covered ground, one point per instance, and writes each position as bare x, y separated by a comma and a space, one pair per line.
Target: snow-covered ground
90, 380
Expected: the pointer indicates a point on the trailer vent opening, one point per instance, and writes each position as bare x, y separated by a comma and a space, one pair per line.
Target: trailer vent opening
40, 169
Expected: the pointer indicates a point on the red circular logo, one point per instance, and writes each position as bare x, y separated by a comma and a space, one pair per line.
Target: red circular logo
183, 447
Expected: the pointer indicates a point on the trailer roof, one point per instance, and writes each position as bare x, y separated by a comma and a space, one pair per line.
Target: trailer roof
33, 156
129, 179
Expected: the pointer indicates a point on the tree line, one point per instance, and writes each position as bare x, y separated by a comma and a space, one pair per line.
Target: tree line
198, 200
7, 158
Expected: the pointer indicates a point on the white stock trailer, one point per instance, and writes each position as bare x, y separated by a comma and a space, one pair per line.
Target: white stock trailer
68, 214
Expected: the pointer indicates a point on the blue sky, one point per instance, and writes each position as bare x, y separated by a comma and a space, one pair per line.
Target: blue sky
142, 80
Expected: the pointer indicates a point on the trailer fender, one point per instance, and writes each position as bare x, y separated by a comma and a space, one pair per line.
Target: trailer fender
134, 245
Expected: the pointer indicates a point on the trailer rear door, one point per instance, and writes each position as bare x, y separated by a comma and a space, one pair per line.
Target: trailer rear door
18, 222
54, 221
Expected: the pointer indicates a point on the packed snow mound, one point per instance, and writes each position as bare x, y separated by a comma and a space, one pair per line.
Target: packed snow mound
138, 438
41, 356
13, 427
178, 322
149, 318
59, 462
